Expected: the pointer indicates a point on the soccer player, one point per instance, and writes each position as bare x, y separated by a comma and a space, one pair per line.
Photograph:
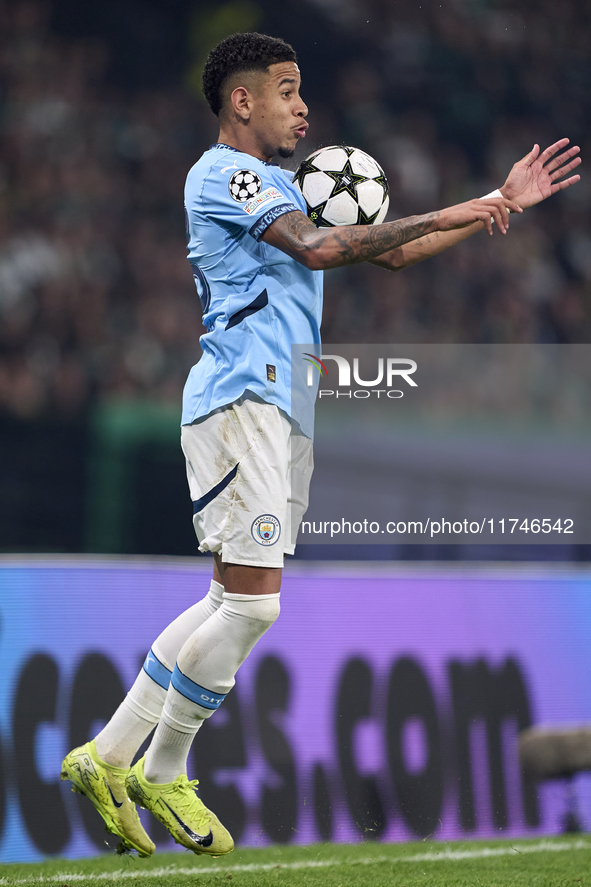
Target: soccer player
257, 261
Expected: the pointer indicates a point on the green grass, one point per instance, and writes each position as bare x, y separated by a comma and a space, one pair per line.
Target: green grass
555, 862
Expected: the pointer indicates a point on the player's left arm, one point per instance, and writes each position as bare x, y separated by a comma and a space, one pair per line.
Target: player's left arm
425, 247
531, 180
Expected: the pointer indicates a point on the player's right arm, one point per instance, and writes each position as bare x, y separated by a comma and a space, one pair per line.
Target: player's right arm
322, 248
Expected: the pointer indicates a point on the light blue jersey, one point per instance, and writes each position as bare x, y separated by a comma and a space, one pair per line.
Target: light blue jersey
256, 300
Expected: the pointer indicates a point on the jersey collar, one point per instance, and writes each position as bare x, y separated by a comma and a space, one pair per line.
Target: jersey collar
221, 145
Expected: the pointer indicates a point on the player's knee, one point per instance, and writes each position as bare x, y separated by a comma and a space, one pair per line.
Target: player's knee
269, 609
262, 608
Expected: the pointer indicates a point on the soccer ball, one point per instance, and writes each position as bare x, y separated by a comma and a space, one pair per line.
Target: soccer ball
343, 186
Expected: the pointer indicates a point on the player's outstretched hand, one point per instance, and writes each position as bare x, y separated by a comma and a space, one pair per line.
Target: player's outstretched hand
537, 176
486, 210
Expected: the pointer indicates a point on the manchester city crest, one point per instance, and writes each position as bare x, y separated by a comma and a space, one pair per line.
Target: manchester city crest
266, 529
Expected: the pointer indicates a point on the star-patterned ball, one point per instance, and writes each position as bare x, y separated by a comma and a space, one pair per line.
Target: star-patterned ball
343, 186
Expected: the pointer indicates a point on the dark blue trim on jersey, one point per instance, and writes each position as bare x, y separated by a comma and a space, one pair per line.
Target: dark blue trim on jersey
261, 301
194, 692
222, 145
205, 294
215, 491
261, 225
155, 670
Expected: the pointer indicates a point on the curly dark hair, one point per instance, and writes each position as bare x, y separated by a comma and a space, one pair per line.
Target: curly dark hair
241, 52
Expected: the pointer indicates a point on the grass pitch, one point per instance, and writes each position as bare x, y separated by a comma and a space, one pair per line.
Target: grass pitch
555, 862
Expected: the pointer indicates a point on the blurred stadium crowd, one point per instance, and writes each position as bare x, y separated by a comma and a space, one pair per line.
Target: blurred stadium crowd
96, 297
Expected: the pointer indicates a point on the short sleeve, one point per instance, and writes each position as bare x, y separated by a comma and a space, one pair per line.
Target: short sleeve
246, 193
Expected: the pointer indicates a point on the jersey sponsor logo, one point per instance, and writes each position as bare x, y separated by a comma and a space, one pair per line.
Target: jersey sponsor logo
263, 197
266, 529
244, 184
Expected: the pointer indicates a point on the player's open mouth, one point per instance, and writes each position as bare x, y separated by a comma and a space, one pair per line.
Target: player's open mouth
301, 130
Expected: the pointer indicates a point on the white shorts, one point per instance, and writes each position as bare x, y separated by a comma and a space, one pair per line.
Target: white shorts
249, 473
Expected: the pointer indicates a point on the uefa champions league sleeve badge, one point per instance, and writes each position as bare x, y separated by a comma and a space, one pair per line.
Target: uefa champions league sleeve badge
266, 529
244, 184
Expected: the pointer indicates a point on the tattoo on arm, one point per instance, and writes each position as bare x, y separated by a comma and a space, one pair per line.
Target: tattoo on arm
295, 234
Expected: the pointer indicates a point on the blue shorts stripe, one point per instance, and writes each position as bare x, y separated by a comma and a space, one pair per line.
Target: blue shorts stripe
192, 691
215, 491
158, 672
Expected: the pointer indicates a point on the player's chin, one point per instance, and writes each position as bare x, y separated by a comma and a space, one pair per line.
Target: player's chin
284, 151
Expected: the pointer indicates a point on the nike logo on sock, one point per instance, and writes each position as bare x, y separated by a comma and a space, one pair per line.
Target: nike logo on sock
202, 840
117, 803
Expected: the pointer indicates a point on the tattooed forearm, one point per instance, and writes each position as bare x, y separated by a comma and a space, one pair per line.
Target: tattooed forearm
333, 247
360, 244
317, 248
425, 247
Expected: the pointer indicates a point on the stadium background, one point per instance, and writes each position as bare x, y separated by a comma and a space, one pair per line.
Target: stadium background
100, 119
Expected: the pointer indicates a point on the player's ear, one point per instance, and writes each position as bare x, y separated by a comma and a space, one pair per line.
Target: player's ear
240, 101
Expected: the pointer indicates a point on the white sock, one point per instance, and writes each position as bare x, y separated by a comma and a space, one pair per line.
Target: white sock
121, 737
168, 644
140, 711
203, 676
173, 750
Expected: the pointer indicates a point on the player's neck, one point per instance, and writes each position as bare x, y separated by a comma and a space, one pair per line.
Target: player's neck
242, 141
